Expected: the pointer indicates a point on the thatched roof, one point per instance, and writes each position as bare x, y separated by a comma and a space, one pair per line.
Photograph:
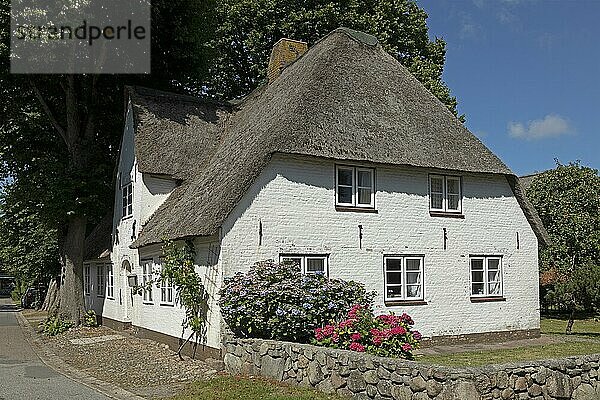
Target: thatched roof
526, 180
173, 133
99, 242
345, 99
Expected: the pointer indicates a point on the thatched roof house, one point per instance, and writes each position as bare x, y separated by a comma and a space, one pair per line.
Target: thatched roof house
344, 99
343, 164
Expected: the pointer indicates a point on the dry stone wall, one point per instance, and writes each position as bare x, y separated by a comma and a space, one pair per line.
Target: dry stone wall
362, 376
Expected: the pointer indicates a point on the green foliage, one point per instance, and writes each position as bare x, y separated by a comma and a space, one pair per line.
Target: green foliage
60, 167
275, 301
386, 335
178, 268
90, 319
17, 293
28, 246
567, 199
53, 326
248, 29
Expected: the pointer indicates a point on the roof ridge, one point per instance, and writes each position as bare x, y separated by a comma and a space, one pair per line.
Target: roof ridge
144, 91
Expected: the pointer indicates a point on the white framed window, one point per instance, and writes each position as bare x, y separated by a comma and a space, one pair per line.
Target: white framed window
445, 193
403, 277
486, 276
146, 279
100, 280
87, 279
166, 292
110, 282
309, 264
127, 200
354, 186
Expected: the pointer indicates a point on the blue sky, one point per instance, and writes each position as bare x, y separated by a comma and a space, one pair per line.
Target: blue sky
526, 73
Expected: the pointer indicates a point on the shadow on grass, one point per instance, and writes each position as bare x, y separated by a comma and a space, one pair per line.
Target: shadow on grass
584, 327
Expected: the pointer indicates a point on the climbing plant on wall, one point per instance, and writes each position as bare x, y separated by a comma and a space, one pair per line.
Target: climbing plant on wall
179, 271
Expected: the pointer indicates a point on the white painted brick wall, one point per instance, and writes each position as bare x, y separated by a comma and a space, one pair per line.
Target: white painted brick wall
294, 199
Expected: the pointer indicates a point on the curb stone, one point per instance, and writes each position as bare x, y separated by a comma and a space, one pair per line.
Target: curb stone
57, 364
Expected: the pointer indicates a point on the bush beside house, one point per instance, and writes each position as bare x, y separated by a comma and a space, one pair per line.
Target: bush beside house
275, 301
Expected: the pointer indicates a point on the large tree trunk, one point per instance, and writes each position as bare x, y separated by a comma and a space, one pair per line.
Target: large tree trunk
51, 301
72, 305
78, 136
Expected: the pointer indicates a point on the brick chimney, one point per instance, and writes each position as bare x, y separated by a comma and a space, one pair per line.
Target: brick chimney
285, 52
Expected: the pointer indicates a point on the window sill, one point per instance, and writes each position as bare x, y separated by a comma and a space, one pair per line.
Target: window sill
127, 217
110, 298
446, 214
390, 303
487, 299
167, 304
147, 303
356, 209
100, 297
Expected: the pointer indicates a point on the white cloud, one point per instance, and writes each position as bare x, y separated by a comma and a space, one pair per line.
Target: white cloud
469, 29
552, 125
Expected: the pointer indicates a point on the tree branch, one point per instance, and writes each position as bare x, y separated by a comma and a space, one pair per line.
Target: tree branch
90, 123
61, 131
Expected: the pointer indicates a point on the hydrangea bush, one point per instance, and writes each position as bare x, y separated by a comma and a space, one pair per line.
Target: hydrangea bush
385, 335
275, 301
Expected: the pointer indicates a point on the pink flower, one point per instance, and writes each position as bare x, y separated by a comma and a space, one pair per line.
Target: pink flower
386, 333
398, 330
377, 341
406, 347
319, 334
406, 318
355, 337
417, 335
336, 337
328, 330
353, 313
346, 323
357, 347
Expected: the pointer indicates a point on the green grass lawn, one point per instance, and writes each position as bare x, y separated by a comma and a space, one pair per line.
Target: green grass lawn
477, 358
584, 327
584, 340
243, 388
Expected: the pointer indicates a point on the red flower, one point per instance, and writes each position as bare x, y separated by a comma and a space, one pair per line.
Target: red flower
336, 337
355, 337
353, 313
357, 347
346, 323
406, 318
406, 347
319, 334
328, 330
399, 330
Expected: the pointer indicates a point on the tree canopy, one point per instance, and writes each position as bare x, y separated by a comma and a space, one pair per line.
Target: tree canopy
60, 134
248, 29
567, 200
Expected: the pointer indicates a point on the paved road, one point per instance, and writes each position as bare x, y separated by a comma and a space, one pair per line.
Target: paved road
22, 373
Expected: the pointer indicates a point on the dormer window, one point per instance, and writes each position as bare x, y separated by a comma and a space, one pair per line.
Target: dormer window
445, 194
354, 187
127, 192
